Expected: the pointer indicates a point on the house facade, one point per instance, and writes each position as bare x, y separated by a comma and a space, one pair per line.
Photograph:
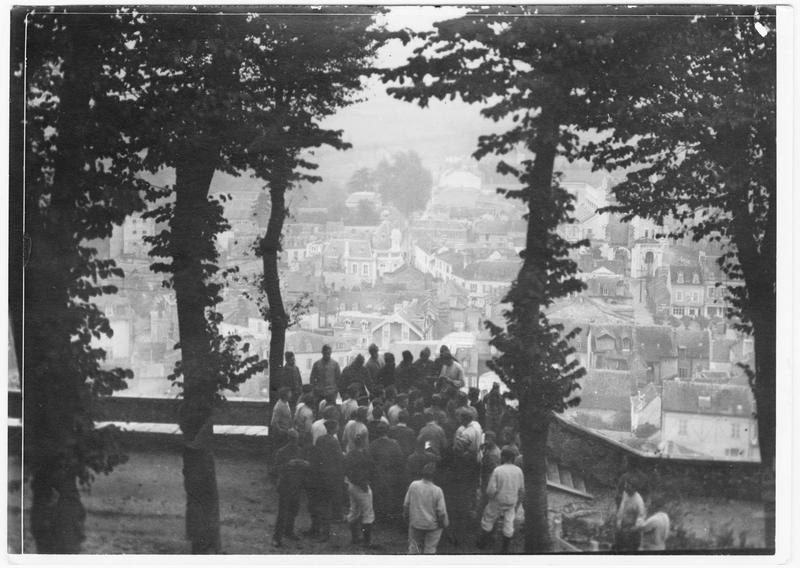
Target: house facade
712, 419
687, 292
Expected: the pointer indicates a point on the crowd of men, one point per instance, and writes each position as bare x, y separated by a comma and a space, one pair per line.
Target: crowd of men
398, 444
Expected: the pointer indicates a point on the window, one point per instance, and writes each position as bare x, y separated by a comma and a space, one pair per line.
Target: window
682, 352
683, 372
678, 296
365, 269
683, 425
704, 402
605, 290
354, 268
695, 278
695, 297
626, 344
711, 291
677, 311
680, 277
735, 430
473, 287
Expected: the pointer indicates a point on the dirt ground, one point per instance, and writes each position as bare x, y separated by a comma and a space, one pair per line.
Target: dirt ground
139, 509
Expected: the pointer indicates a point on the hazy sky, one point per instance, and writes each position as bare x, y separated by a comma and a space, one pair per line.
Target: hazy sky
382, 125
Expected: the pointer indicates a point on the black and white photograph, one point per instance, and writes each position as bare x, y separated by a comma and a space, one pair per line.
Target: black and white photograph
390, 280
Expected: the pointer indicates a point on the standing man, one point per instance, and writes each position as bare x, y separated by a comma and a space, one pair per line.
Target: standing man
655, 529
292, 378
424, 372
426, 512
404, 374
328, 464
325, 374
506, 491
304, 419
359, 471
452, 373
373, 364
388, 479
631, 513
404, 435
281, 421
288, 473
393, 415
355, 373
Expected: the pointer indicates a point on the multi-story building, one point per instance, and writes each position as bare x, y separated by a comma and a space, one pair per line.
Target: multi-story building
350, 262
715, 420
686, 289
486, 278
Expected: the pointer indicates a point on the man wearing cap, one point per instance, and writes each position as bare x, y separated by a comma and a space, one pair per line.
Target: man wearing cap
292, 378
328, 465
505, 491
452, 373
288, 473
359, 471
424, 372
426, 512
373, 364
325, 374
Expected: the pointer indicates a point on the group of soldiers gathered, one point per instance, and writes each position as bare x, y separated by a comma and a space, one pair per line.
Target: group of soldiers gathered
394, 444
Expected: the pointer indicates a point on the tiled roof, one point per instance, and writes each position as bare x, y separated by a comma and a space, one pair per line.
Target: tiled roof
695, 342
491, 227
491, 270
707, 398
654, 342
306, 342
606, 390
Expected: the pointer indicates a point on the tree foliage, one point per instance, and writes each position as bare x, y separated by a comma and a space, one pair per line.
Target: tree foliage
403, 181
701, 153
79, 180
239, 92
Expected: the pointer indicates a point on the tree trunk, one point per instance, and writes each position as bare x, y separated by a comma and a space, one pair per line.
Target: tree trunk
759, 270
190, 240
534, 421
533, 436
53, 382
270, 248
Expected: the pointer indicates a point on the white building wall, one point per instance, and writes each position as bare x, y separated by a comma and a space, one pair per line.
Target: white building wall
720, 437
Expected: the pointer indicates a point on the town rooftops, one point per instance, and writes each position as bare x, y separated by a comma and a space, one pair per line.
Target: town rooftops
695, 343
584, 310
491, 270
707, 398
491, 227
606, 390
654, 343
721, 350
351, 248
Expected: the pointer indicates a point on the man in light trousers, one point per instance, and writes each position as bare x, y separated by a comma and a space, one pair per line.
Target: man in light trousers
426, 512
505, 490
